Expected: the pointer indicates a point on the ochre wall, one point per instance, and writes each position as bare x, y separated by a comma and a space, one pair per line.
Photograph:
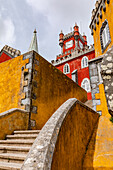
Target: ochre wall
74, 137
16, 120
11, 83
53, 89
105, 15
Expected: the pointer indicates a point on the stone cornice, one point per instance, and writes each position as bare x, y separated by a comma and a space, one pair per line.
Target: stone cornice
74, 54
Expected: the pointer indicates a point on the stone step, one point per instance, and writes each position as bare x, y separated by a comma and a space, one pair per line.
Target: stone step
17, 142
9, 166
27, 132
22, 136
13, 149
12, 157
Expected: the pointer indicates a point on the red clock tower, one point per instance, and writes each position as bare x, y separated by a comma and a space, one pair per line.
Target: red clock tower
74, 57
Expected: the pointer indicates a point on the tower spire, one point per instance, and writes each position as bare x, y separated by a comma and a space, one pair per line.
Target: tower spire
34, 44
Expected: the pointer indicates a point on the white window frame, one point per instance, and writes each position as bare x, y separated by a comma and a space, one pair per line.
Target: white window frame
66, 69
86, 85
105, 38
84, 62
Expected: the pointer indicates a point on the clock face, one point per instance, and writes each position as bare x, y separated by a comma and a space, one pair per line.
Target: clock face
69, 44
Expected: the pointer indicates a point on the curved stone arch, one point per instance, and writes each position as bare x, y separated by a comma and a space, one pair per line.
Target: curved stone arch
41, 153
42, 150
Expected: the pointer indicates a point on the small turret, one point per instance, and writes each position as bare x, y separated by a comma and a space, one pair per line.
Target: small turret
61, 35
76, 31
85, 39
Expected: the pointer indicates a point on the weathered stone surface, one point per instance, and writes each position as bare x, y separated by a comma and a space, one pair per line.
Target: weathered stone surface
107, 74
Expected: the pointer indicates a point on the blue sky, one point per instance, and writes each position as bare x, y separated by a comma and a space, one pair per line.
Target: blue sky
19, 18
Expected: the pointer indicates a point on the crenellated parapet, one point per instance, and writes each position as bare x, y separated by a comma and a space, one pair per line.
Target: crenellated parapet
11, 51
100, 6
74, 54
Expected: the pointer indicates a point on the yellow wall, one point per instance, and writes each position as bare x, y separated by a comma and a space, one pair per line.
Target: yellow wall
53, 89
15, 120
74, 138
105, 15
11, 83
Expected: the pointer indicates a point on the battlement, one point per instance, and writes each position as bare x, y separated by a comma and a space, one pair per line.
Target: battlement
97, 12
74, 54
11, 51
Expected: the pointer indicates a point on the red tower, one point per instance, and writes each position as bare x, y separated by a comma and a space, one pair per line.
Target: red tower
74, 57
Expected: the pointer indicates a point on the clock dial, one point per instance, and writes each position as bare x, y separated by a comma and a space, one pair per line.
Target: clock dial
69, 44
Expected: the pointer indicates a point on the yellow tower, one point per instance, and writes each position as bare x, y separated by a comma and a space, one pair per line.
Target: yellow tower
102, 26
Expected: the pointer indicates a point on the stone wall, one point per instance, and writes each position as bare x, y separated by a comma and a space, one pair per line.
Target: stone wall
13, 119
107, 74
63, 141
95, 79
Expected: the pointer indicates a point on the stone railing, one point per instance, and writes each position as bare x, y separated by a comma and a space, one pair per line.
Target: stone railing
13, 119
71, 123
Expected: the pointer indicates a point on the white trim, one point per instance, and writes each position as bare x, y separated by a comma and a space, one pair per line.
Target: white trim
86, 85
66, 69
84, 62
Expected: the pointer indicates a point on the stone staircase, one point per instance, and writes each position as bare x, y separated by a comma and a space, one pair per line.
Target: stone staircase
15, 148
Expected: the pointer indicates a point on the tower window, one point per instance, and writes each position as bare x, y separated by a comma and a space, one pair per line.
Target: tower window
66, 68
104, 35
86, 84
84, 62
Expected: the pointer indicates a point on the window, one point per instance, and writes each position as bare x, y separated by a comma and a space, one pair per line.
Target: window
74, 76
104, 36
80, 45
66, 68
99, 73
84, 62
86, 84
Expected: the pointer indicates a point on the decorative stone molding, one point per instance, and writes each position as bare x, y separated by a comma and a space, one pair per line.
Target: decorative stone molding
73, 55
97, 12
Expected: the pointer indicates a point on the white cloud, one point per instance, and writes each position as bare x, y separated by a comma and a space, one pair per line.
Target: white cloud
7, 31
62, 14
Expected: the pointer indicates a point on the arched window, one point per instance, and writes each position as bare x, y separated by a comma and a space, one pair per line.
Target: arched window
66, 68
84, 62
104, 35
86, 84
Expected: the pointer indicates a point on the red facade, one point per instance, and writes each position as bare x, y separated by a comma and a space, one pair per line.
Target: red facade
74, 57
4, 57
76, 64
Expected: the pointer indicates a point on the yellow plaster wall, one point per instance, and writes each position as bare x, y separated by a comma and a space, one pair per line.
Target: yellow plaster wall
16, 120
11, 83
103, 106
53, 89
105, 15
74, 138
